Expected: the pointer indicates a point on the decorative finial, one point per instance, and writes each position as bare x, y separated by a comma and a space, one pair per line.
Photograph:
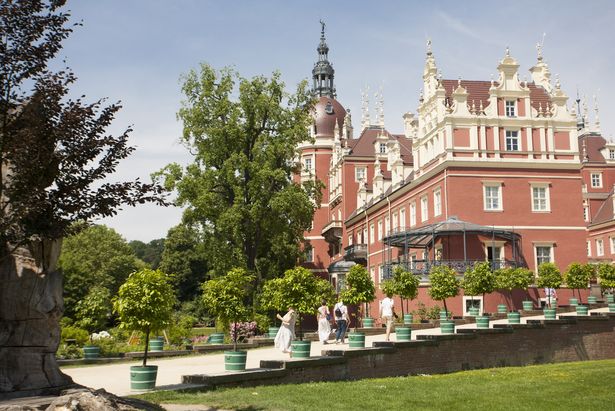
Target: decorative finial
322, 28
492, 80
473, 107
459, 81
585, 112
557, 83
540, 112
480, 107
429, 47
596, 116
421, 97
507, 51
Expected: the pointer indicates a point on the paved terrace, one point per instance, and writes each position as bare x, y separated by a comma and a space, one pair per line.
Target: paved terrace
115, 378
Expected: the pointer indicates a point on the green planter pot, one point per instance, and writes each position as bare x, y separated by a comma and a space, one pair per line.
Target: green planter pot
549, 313
482, 321
273, 331
403, 333
443, 315
502, 309
301, 349
91, 351
573, 302
156, 344
235, 360
143, 378
473, 312
216, 338
447, 327
527, 305
368, 322
582, 309
407, 319
514, 317
610, 298
612, 307
356, 340
592, 300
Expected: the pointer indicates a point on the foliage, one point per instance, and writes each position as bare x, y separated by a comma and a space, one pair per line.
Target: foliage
80, 335
184, 256
478, 279
93, 312
606, 274
388, 287
444, 284
510, 278
578, 275
150, 253
406, 283
59, 151
244, 135
359, 287
523, 278
243, 331
96, 256
549, 276
226, 297
145, 303
262, 322
424, 313
69, 352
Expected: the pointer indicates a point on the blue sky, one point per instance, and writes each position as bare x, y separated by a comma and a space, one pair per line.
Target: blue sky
136, 50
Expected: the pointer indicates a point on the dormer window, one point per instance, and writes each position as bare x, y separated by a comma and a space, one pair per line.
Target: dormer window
383, 148
329, 108
511, 106
611, 154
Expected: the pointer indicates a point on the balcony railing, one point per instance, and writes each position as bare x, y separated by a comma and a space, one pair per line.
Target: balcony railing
356, 253
423, 267
332, 232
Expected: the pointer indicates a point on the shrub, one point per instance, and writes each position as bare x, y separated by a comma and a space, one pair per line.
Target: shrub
262, 323
69, 352
444, 284
75, 333
606, 274
243, 331
577, 276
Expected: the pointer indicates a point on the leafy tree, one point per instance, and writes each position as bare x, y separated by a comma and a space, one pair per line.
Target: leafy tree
444, 284
577, 276
606, 274
93, 312
56, 159
184, 256
405, 284
145, 303
478, 280
298, 288
227, 297
244, 135
505, 280
549, 276
359, 287
97, 255
150, 253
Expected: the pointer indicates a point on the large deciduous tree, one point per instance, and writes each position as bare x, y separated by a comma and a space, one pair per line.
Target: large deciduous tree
244, 135
55, 160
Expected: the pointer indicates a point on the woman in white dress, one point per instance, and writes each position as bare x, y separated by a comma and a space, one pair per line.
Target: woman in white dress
286, 333
324, 325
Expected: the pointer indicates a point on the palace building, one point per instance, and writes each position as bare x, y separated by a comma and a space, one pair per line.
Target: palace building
499, 170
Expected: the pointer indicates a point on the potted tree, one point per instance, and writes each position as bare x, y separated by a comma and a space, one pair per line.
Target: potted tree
479, 280
359, 291
145, 303
524, 278
226, 297
505, 280
549, 277
303, 291
406, 285
92, 314
606, 275
444, 284
577, 276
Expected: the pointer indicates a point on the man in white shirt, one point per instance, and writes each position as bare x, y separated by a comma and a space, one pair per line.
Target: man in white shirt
386, 313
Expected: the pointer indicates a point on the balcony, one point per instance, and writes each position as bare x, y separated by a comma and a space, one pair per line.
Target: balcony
422, 268
332, 232
356, 253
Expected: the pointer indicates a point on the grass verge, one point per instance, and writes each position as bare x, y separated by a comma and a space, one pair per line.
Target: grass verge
567, 386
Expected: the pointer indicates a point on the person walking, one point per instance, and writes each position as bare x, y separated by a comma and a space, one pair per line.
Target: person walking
324, 324
286, 333
386, 313
342, 320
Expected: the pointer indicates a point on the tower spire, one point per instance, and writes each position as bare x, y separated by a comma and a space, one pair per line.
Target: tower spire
323, 72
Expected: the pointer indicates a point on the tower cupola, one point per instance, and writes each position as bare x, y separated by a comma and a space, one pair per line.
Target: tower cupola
323, 72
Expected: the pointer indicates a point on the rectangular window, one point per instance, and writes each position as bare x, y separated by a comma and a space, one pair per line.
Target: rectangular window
492, 195
383, 148
402, 218
395, 222
512, 140
349, 239
596, 180
412, 214
437, 202
364, 239
611, 154
424, 209
589, 249
540, 198
543, 254
308, 164
359, 174
510, 108
599, 248
371, 233
387, 225
379, 229
585, 213
612, 241
309, 253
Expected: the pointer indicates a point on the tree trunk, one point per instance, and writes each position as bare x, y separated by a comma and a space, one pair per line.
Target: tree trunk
146, 347
31, 306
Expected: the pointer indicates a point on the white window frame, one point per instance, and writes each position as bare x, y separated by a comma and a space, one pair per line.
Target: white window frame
549, 245
510, 108
309, 253
382, 148
599, 247
597, 183
350, 237
395, 222
612, 243
364, 236
424, 209
589, 248
379, 229
307, 162
413, 214
585, 212
402, 218
611, 154
478, 298
512, 136
437, 202
546, 199
358, 171
487, 206
495, 245
371, 233
387, 225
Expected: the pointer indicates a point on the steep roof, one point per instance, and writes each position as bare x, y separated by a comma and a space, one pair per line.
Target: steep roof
605, 213
590, 145
364, 145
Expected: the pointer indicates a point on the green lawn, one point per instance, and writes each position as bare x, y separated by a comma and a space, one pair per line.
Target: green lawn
576, 386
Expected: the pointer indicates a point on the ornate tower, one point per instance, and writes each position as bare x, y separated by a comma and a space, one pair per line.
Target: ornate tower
323, 72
